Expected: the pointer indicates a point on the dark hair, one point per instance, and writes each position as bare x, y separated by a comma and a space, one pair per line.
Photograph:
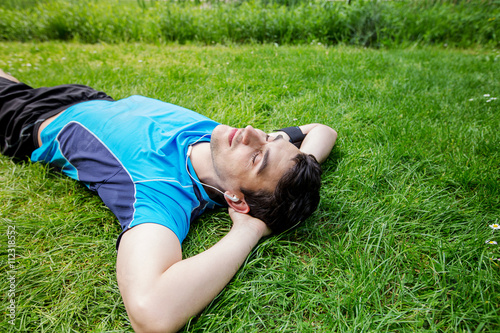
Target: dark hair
295, 198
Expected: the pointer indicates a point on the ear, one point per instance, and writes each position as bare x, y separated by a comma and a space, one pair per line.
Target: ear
240, 206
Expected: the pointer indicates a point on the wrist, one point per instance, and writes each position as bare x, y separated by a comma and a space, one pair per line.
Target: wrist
248, 224
250, 229
295, 135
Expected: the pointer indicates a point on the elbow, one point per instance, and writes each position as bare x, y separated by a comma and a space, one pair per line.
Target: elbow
329, 133
146, 317
330, 130
333, 133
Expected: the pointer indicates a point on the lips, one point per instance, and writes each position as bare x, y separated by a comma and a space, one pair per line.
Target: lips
231, 135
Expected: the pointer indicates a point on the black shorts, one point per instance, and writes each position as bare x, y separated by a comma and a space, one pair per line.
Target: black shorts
23, 109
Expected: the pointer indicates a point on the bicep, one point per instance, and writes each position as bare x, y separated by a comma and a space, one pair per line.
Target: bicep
146, 251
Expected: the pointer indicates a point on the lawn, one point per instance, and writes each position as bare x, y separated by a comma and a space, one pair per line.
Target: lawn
399, 242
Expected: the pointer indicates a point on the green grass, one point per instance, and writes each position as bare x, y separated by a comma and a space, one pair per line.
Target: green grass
365, 23
397, 244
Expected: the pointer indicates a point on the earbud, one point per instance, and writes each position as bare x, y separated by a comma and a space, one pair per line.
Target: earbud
233, 198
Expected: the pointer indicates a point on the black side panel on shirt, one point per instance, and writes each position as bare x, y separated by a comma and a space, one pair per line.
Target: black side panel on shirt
98, 167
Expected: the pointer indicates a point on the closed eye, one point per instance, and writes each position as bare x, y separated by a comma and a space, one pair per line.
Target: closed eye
278, 137
254, 156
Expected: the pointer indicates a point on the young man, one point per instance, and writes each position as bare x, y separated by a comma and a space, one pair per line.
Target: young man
158, 166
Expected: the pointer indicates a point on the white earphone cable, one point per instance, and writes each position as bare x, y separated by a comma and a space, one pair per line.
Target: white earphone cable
190, 148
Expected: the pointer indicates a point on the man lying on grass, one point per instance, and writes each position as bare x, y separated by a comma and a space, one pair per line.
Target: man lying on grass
158, 166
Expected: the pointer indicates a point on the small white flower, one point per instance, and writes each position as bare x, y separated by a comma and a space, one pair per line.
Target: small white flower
495, 226
63, 58
140, 60
488, 101
29, 65
486, 95
276, 44
295, 119
284, 86
491, 242
470, 100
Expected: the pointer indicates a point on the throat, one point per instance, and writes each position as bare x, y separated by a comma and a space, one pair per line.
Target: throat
201, 159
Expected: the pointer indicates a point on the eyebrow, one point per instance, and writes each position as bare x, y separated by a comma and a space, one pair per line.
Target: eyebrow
265, 162
265, 159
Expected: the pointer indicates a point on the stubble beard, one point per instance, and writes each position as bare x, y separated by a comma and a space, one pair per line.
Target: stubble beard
213, 152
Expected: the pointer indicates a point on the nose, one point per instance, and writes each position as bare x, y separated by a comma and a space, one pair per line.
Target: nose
252, 136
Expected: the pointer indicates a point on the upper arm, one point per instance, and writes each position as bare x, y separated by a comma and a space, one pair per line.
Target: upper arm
308, 128
146, 251
319, 140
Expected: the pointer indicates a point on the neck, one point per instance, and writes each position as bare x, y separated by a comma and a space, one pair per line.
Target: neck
200, 155
201, 159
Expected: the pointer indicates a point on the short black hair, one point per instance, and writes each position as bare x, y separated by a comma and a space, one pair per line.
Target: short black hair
294, 199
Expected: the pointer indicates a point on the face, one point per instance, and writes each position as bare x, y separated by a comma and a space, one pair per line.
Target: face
249, 158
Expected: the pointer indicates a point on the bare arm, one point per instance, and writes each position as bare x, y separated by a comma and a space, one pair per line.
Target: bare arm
319, 140
161, 291
8, 77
